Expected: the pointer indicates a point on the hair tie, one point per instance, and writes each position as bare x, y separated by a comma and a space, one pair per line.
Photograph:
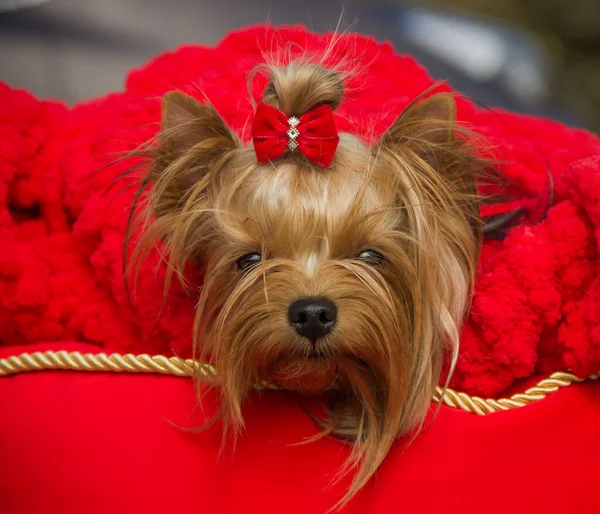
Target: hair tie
314, 134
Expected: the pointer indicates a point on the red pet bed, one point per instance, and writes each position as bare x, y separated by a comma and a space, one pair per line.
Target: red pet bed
84, 441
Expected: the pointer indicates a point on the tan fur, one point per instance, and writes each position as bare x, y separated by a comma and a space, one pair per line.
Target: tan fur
411, 198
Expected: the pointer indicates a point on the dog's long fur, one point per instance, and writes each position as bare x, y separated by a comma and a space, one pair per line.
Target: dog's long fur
411, 197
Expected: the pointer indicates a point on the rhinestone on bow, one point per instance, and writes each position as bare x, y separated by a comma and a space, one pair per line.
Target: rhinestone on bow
293, 133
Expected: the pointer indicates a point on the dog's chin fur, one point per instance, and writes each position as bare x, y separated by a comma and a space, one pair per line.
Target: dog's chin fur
308, 376
411, 198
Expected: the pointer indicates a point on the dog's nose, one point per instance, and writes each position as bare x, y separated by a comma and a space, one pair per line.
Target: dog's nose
313, 318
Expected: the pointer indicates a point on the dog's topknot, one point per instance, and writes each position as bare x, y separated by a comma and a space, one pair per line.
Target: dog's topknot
299, 87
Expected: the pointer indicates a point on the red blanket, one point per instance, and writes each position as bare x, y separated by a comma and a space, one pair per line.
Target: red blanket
62, 225
537, 306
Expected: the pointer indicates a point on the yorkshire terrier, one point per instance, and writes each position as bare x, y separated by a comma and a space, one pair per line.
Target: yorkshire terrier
331, 264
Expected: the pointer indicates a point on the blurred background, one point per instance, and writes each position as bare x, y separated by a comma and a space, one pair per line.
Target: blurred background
538, 57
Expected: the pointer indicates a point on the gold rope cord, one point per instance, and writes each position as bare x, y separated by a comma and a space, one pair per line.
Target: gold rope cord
143, 363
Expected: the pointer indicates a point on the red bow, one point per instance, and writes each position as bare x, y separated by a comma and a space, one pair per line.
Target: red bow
314, 134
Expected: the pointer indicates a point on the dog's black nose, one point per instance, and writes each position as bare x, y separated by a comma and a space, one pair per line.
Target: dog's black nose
313, 318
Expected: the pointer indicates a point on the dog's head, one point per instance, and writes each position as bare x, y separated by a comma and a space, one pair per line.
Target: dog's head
352, 278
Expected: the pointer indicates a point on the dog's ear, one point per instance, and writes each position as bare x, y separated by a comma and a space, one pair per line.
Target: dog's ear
193, 142
187, 124
425, 128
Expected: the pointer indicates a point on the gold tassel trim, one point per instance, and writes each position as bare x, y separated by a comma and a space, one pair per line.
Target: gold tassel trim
175, 366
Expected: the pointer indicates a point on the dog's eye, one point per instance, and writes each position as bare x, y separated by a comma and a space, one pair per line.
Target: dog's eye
248, 261
371, 257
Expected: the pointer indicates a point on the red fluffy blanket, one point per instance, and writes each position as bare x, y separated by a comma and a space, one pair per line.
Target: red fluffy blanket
63, 218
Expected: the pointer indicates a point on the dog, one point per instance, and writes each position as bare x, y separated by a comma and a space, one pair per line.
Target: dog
331, 264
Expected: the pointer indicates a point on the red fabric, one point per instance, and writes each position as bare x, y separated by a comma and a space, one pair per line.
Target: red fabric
62, 217
317, 139
96, 443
